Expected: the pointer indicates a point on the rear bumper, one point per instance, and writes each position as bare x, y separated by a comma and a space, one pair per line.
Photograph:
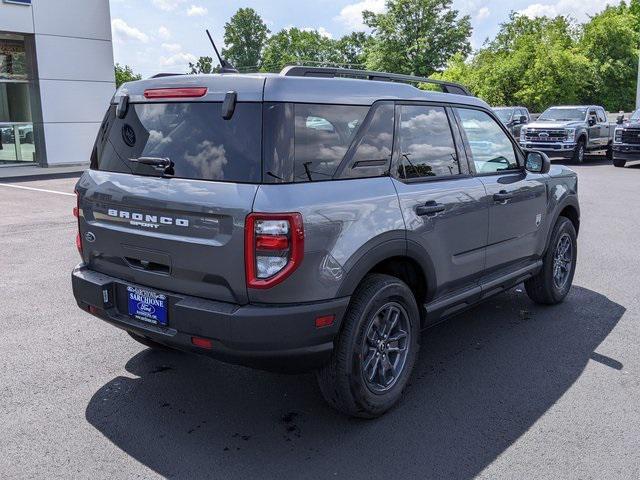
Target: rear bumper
269, 337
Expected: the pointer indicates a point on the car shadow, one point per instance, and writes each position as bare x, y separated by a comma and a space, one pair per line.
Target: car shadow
481, 381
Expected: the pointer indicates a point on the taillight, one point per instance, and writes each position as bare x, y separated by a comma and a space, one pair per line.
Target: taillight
194, 92
76, 213
274, 247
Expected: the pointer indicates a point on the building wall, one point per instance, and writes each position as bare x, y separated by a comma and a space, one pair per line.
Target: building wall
74, 70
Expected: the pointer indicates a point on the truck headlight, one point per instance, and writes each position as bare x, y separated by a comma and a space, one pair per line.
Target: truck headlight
571, 134
618, 136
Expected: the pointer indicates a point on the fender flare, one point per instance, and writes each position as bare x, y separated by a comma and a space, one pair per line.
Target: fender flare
568, 201
370, 255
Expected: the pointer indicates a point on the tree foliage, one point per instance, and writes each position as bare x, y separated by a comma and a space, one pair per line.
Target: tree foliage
245, 36
545, 61
416, 37
534, 62
295, 46
203, 65
125, 74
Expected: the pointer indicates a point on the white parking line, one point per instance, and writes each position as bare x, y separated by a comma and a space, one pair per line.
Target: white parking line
36, 189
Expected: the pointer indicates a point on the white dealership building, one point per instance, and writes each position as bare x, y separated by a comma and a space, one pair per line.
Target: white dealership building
56, 78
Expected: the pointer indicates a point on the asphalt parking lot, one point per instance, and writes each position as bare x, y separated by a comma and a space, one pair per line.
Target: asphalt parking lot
508, 390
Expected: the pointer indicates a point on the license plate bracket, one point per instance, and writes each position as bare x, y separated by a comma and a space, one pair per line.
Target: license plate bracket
147, 306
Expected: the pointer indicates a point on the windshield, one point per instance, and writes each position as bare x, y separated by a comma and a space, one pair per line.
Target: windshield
504, 114
563, 115
636, 116
183, 140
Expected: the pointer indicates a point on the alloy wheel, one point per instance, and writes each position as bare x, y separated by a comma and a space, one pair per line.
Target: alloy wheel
562, 261
386, 346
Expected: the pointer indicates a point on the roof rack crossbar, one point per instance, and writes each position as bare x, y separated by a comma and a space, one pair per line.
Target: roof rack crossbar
329, 72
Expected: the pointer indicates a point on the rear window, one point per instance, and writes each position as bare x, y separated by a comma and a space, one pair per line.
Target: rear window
193, 136
307, 143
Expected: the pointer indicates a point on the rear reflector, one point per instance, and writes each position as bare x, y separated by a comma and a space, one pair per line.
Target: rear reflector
175, 92
202, 342
325, 321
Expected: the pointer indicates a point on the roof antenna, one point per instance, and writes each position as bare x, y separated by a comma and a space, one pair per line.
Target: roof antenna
225, 67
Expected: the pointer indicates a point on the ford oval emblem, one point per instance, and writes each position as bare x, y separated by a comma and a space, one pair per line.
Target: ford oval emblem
146, 308
129, 135
90, 237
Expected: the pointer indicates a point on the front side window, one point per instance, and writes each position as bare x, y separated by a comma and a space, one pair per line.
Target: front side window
491, 148
602, 117
426, 146
504, 114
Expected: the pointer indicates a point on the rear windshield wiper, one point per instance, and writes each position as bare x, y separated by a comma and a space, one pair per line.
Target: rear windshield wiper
160, 163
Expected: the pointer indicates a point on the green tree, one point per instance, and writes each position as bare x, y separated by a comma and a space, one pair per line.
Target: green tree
530, 62
416, 37
125, 74
245, 36
203, 65
610, 41
294, 46
350, 50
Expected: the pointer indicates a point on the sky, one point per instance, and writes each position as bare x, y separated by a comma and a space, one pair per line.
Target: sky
155, 36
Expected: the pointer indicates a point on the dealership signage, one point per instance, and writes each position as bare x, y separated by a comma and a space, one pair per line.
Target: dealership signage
19, 2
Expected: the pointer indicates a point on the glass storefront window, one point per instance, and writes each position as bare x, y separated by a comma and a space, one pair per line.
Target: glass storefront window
16, 121
13, 59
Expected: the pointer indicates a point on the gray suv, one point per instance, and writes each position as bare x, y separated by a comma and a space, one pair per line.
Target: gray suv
316, 219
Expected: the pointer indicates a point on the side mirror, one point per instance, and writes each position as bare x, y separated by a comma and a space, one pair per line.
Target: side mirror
538, 162
523, 119
620, 119
592, 121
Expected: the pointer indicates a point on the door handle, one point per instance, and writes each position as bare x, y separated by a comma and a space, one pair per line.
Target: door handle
503, 196
429, 209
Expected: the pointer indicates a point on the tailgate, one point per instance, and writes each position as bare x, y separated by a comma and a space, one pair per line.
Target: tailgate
179, 235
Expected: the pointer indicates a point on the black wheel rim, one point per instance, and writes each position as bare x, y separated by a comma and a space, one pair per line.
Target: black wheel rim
386, 347
562, 261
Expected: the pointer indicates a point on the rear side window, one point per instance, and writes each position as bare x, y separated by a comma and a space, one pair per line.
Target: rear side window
194, 137
322, 136
426, 145
307, 142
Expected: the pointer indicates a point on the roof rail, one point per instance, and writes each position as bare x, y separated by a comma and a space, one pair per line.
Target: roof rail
329, 72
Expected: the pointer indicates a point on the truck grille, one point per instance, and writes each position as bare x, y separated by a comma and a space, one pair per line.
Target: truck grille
545, 136
631, 136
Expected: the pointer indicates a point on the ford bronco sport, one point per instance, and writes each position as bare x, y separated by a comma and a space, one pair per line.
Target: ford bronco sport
315, 219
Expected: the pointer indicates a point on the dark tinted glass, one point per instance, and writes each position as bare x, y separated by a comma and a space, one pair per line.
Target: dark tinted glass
304, 143
426, 143
322, 136
194, 136
372, 154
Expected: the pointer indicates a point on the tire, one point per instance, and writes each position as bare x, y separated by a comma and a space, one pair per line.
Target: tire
545, 288
579, 152
610, 153
147, 342
619, 163
342, 381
